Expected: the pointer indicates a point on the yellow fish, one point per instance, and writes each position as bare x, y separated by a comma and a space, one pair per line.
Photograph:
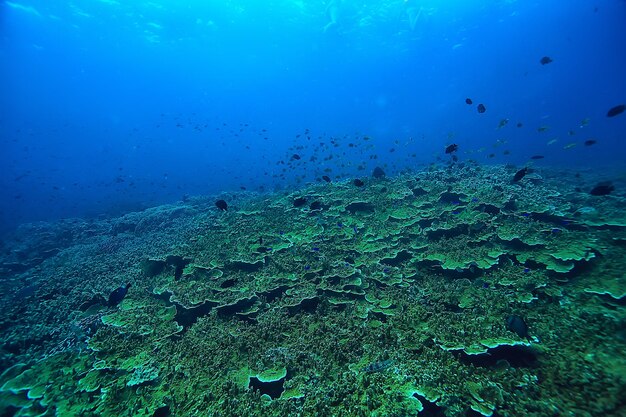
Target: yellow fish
550, 142
569, 145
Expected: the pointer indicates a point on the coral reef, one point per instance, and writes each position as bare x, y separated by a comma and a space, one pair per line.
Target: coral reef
389, 299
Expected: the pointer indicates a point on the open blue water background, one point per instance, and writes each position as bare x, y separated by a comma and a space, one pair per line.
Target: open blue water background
108, 106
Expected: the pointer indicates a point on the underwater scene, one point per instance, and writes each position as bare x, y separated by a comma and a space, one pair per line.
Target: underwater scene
240, 208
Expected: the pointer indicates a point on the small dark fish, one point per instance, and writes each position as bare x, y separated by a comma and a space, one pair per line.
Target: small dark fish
517, 324
358, 183
326, 178
468, 101
520, 174
546, 60
295, 156
481, 108
118, 294
452, 148
537, 157
590, 142
520, 124
614, 111
604, 188
221, 204
316, 205
299, 202
378, 173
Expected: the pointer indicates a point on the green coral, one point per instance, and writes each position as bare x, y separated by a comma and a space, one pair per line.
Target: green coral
380, 303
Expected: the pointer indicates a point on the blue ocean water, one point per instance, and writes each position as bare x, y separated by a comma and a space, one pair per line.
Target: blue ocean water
109, 106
